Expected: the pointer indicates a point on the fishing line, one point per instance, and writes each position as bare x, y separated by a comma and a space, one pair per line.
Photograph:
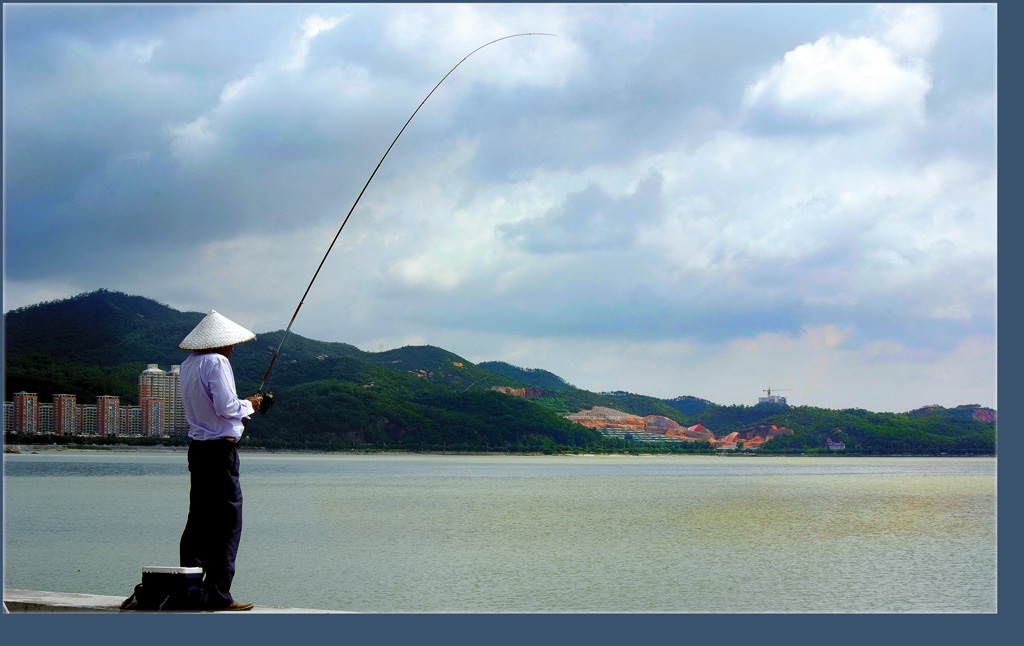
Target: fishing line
266, 375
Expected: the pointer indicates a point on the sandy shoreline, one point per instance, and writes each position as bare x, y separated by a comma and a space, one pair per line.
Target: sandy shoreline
22, 449
117, 448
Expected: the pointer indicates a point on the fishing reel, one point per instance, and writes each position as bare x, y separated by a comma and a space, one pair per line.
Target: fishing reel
266, 402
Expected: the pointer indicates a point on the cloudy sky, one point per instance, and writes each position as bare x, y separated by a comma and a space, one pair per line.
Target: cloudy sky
703, 200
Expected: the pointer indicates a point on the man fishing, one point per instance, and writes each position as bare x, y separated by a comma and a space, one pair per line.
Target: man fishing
216, 418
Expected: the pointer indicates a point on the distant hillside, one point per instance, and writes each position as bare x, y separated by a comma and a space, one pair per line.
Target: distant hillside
961, 413
335, 396
862, 431
101, 328
329, 395
563, 398
106, 329
97, 343
529, 376
689, 405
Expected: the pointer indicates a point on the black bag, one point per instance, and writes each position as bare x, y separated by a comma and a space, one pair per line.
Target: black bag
167, 588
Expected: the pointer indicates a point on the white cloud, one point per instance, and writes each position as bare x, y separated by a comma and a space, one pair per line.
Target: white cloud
910, 29
839, 79
312, 27
952, 312
139, 53
836, 219
827, 336
269, 86
194, 141
234, 89
444, 267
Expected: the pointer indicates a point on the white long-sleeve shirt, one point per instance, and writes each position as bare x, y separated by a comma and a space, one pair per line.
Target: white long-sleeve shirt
212, 407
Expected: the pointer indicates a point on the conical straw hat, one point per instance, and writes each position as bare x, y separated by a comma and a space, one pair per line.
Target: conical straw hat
215, 331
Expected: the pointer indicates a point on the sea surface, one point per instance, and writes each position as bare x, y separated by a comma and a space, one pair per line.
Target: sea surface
616, 534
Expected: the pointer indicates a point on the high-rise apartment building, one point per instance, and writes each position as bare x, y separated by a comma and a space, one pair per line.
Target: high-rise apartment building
151, 400
153, 414
26, 413
46, 418
157, 386
176, 424
65, 415
131, 420
151, 381
108, 409
87, 416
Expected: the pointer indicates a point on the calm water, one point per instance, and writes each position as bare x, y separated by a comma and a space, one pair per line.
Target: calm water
529, 534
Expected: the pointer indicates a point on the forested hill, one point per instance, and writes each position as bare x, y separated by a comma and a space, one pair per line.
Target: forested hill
329, 395
100, 328
98, 343
532, 376
336, 396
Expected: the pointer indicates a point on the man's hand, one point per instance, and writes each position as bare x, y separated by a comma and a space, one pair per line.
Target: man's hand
255, 400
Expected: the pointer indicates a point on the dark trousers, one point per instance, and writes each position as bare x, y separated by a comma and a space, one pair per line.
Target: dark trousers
214, 525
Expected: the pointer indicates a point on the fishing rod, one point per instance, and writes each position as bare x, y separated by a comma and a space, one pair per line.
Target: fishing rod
268, 397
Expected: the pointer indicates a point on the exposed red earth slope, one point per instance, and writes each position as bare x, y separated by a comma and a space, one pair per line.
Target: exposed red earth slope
602, 418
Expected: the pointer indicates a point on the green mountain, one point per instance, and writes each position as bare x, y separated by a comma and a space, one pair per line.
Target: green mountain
328, 395
101, 328
688, 405
862, 431
530, 376
336, 396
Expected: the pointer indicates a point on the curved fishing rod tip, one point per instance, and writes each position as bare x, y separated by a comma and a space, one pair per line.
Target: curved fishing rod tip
525, 33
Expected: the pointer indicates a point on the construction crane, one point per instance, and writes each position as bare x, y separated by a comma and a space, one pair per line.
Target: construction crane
769, 390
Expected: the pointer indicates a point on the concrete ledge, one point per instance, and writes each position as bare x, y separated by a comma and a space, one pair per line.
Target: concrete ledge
34, 601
